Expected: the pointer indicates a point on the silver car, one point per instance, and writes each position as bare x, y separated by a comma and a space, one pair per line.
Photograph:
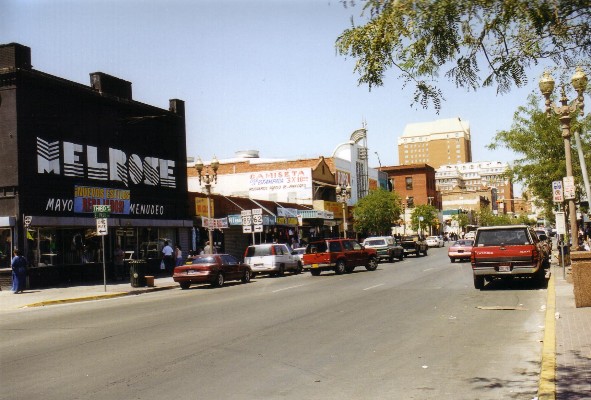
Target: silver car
272, 258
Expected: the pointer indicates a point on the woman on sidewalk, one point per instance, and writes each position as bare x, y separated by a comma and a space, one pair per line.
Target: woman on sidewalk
19, 272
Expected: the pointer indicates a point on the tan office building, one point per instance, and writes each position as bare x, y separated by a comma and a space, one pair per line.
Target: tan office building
440, 142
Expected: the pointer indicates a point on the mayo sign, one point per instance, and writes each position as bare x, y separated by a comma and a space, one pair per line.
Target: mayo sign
105, 164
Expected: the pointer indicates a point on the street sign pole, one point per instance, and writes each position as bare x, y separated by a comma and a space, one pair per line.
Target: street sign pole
101, 213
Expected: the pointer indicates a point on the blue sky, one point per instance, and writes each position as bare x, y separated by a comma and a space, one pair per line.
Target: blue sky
255, 74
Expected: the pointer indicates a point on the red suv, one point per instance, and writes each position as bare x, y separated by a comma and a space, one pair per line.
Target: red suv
340, 255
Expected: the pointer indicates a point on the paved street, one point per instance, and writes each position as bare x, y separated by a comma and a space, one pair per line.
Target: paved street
414, 329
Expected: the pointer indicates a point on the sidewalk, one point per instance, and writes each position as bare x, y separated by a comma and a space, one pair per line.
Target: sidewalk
70, 294
573, 342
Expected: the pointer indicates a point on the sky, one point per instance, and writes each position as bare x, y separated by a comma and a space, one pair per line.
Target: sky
254, 74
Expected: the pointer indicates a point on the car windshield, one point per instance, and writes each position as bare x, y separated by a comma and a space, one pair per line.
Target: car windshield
463, 243
204, 260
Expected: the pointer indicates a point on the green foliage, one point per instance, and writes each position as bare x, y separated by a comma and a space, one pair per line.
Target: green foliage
535, 138
377, 212
485, 217
429, 214
473, 43
462, 219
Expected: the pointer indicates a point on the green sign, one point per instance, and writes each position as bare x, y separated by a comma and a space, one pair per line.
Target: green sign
102, 211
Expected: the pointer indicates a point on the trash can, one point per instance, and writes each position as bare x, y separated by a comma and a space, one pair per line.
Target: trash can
137, 273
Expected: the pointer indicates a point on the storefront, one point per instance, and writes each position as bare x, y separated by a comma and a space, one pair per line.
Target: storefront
67, 147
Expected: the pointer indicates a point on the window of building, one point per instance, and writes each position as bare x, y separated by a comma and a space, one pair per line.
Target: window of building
408, 181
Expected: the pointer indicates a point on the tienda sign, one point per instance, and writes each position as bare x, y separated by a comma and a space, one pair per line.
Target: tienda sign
86, 197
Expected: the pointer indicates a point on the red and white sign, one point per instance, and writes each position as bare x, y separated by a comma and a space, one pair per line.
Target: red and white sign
557, 195
569, 187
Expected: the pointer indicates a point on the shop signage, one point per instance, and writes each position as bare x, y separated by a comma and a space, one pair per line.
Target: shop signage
201, 207
214, 223
88, 197
103, 163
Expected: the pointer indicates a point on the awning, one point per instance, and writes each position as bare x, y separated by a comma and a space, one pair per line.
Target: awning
5, 222
112, 222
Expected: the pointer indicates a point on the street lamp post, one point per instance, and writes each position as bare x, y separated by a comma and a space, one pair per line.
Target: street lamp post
564, 111
206, 180
343, 195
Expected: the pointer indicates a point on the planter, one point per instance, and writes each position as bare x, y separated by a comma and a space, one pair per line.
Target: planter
581, 273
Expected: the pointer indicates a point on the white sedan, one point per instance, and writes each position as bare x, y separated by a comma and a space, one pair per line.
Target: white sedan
435, 241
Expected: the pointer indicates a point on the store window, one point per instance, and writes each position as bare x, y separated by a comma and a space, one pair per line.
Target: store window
408, 181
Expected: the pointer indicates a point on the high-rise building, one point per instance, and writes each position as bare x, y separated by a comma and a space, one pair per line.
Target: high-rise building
444, 141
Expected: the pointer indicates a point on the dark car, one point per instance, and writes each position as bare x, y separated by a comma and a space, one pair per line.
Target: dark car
214, 269
386, 247
460, 250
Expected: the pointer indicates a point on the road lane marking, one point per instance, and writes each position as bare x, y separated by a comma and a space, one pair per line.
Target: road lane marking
287, 288
372, 287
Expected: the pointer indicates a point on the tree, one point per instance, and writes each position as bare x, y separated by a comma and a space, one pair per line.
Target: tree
429, 218
473, 43
536, 139
377, 212
462, 219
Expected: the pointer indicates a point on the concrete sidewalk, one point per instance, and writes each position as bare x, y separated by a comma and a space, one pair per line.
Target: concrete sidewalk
70, 294
573, 342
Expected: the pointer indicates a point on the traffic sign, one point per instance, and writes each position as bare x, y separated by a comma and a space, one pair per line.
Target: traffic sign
569, 187
557, 195
560, 223
101, 226
102, 211
258, 228
257, 219
246, 228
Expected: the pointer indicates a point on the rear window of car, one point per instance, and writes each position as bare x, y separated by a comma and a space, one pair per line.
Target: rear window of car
204, 260
375, 242
464, 243
506, 237
318, 247
258, 251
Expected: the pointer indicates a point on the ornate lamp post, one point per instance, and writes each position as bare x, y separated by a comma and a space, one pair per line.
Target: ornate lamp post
206, 180
564, 111
343, 195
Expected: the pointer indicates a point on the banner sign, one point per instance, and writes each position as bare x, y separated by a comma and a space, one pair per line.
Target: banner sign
214, 223
201, 207
86, 197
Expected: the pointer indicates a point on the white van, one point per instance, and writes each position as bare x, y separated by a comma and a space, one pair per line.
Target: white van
272, 258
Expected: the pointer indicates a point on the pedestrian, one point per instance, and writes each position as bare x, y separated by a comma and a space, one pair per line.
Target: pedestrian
19, 272
178, 255
209, 249
118, 262
167, 253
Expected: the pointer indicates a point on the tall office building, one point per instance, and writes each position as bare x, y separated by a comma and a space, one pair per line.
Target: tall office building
440, 142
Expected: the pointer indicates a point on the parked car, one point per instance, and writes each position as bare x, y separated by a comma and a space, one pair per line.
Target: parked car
272, 258
470, 235
435, 241
507, 251
544, 236
414, 244
386, 247
340, 255
214, 269
299, 252
460, 250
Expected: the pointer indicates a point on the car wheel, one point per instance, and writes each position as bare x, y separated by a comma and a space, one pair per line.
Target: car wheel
246, 277
401, 256
452, 260
185, 285
425, 252
478, 282
219, 281
315, 271
281, 271
339, 269
373, 264
298, 269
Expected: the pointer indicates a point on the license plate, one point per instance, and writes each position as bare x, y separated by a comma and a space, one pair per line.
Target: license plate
504, 268
314, 265
190, 271
460, 251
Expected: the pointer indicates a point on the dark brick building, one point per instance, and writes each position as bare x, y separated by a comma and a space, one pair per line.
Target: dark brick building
65, 147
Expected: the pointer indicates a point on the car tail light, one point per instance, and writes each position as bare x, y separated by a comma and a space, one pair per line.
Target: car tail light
273, 250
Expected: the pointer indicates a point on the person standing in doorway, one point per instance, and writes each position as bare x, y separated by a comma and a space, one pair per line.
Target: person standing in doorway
167, 253
178, 255
118, 262
19, 272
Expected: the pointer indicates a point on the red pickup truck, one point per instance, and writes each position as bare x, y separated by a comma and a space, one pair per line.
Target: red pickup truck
340, 255
507, 252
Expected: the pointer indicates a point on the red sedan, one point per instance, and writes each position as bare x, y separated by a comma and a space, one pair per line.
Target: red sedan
214, 269
460, 250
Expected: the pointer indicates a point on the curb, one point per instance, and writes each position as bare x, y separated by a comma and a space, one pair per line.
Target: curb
96, 297
547, 384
